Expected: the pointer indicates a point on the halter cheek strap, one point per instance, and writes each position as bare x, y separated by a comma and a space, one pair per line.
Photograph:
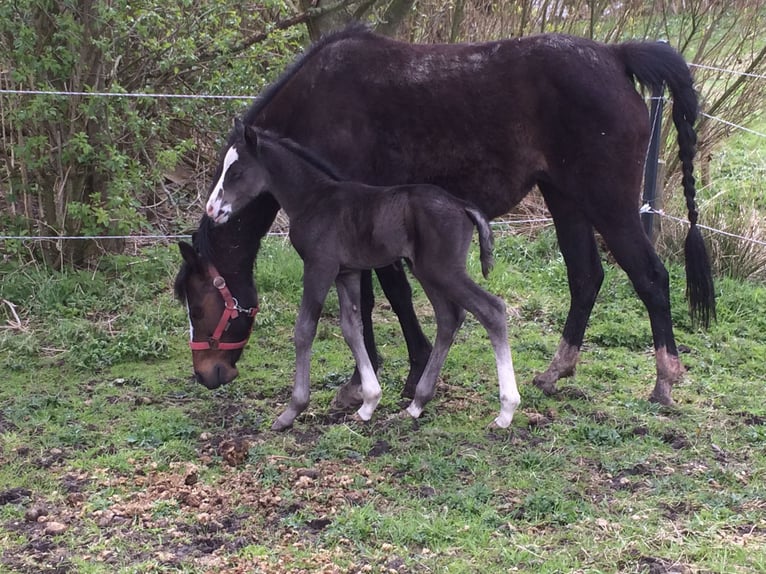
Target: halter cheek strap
231, 311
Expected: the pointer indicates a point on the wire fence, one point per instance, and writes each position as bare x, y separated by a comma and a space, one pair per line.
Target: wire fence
501, 223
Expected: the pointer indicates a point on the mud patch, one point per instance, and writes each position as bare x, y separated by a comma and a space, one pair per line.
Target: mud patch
14, 495
651, 565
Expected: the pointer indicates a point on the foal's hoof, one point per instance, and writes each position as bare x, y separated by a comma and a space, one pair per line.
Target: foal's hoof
358, 419
499, 423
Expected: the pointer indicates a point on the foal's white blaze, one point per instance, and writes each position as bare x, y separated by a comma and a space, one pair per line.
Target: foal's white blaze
216, 207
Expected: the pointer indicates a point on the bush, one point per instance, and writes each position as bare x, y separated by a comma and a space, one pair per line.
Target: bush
80, 165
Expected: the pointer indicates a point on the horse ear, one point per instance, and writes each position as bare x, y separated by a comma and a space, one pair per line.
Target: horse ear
239, 127
251, 136
189, 255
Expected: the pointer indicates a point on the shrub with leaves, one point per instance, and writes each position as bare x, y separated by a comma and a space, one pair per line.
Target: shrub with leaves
80, 164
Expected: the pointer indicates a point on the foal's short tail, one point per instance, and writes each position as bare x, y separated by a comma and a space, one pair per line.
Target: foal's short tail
656, 65
486, 240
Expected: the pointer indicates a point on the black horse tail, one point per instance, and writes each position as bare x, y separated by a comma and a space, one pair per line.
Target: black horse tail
486, 240
655, 65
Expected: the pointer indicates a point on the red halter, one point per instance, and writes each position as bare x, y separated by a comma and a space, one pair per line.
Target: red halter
231, 311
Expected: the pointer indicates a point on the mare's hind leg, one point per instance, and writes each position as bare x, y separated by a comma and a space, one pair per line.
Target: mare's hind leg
633, 251
316, 284
449, 317
585, 274
351, 324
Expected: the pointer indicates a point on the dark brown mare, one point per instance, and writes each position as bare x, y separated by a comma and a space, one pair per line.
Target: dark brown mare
488, 122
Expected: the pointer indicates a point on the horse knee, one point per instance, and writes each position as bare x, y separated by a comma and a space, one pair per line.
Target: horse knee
304, 334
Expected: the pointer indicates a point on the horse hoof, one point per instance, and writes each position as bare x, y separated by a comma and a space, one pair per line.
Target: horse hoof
357, 419
499, 423
280, 425
661, 398
348, 397
545, 384
414, 411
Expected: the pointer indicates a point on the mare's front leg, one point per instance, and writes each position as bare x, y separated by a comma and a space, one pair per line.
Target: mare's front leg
393, 281
351, 324
316, 284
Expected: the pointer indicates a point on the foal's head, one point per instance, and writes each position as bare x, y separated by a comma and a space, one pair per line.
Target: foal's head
243, 176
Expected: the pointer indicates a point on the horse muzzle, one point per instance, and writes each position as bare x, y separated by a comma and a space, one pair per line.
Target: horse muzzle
216, 375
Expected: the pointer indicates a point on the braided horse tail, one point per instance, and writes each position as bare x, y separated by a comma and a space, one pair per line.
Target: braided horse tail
655, 65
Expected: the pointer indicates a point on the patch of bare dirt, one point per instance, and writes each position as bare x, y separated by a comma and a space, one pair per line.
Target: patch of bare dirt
178, 516
652, 565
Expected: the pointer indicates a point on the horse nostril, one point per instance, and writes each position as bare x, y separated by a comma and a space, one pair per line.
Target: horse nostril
210, 210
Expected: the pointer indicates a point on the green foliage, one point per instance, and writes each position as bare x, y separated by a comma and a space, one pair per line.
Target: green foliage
92, 320
96, 165
593, 482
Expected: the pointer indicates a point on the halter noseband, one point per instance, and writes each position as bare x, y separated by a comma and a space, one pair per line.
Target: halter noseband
231, 311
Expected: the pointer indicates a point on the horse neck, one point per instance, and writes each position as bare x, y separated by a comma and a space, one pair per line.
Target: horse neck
294, 180
233, 246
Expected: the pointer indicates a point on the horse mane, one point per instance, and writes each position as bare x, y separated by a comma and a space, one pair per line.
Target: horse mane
202, 238
352, 30
201, 241
306, 155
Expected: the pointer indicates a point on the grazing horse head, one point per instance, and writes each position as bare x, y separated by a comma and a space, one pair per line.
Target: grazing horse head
242, 178
221, 307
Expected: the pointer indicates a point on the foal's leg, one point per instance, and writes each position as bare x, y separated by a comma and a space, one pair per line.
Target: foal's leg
316, 284
349, 394
585, 274
449, 317
351, 324
491, 313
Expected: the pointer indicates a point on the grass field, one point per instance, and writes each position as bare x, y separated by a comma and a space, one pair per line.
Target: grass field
112, 460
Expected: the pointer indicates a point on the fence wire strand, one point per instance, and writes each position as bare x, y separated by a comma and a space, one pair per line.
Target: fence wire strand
505, 223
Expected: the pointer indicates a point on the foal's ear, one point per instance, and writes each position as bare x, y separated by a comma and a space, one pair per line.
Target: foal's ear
190, 255
251, 136
239, 127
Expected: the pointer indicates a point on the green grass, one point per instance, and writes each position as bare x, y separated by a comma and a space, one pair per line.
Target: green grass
103, 429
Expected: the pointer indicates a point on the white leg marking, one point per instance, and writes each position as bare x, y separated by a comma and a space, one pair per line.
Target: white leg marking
509, 392
371, 392
414, 410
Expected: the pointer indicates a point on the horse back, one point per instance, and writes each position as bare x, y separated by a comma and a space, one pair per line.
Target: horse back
486, 121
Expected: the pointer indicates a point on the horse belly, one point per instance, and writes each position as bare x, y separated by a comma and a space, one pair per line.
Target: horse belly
372, 250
